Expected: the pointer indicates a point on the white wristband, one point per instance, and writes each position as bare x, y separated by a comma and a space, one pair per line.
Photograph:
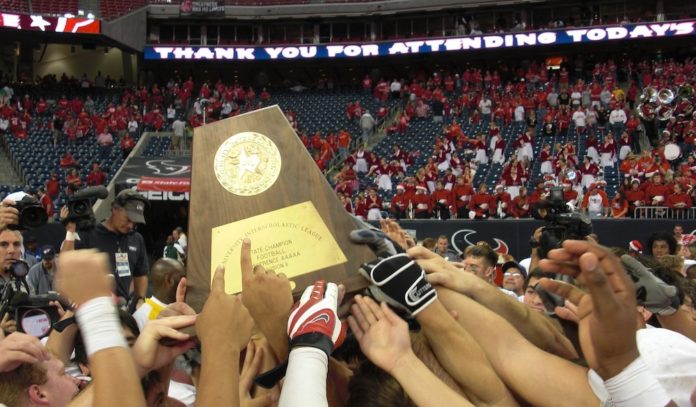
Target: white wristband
71, 236
635, 386
99, 325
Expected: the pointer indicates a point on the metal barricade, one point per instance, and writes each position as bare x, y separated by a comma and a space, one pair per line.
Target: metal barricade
663, 212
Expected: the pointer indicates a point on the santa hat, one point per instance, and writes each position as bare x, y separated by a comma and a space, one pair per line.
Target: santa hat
499, 186
636, 246
401, 186
688, 239
635, 181
421, 188
567, 184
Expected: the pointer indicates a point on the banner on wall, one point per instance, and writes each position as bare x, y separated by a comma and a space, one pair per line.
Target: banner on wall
512, 236
77, 25
592, 34
201, 8
158, 179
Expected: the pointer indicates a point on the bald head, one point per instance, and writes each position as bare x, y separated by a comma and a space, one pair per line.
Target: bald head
164, 277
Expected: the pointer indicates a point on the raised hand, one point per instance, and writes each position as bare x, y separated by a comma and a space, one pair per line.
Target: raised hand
83, 275
383, 335
224, 321
609, 306
149, 354
317, 313
8, 214
268, 297
20, 348
251, 368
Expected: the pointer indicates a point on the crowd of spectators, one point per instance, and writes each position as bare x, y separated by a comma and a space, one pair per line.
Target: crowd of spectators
566, 130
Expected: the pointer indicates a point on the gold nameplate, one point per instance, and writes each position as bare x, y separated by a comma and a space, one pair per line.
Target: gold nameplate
293, 240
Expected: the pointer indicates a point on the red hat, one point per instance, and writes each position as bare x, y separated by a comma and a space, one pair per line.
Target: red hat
421, 187
688, 239
636, 246
401, 186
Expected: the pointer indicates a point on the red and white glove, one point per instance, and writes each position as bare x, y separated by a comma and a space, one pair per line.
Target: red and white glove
314, 319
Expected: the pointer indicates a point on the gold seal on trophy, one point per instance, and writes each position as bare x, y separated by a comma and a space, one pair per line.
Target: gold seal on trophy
247, 163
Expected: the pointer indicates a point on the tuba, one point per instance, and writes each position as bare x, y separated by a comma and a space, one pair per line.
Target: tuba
685, 91
649, 95
664, 112
665, 96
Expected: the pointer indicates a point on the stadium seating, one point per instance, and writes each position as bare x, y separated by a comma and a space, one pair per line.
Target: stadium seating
115, 8
15, 6
54, 7
37, 157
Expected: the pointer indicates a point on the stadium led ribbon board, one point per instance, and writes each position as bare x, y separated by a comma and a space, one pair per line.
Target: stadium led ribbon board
427, 45
76, 25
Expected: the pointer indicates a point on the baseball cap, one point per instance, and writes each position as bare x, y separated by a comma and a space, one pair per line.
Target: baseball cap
514, 265
133, 203
48, 252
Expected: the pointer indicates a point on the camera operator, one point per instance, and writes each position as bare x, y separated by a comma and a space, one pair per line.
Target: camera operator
10, 253
116, 237
40, 277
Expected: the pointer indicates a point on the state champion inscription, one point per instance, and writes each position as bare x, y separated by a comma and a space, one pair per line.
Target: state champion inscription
299, 244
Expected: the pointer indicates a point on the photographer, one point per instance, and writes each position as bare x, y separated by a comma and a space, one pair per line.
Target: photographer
40, 277
116, 237
10, 253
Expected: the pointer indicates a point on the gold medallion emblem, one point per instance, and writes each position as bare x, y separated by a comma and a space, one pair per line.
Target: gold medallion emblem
247, 163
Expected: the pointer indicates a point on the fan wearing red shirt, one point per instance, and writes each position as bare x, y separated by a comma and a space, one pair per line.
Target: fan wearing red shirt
442, 201
679, 199
96, 176
656, 193
53, 186
480, 203
399, 203
422, 203
501, 203
461, 194
521, 204
46, 202
360, 206
68, 160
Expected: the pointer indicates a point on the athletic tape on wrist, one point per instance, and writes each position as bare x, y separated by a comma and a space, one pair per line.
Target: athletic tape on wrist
635, 386
71, 236
99, 325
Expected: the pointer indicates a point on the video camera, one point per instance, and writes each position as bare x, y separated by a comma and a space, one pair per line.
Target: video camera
80, 206
31, 214
33, 314
561, 222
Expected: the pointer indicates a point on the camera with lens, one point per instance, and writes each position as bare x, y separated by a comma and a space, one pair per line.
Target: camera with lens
561, 222
31, 214
80, 206
33, 314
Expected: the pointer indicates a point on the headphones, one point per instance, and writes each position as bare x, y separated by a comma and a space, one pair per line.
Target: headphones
128, 194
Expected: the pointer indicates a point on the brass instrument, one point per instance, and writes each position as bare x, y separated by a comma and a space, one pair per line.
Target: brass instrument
649, 95
665, 96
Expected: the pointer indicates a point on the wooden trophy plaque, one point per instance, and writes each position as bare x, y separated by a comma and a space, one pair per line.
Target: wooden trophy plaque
252, 177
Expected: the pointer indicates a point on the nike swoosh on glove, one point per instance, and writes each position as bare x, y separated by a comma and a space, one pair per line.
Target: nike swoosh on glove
401, 281
314, 319
654, 294
377, 240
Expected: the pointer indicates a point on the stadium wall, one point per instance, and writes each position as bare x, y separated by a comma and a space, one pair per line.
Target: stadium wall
59, 58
